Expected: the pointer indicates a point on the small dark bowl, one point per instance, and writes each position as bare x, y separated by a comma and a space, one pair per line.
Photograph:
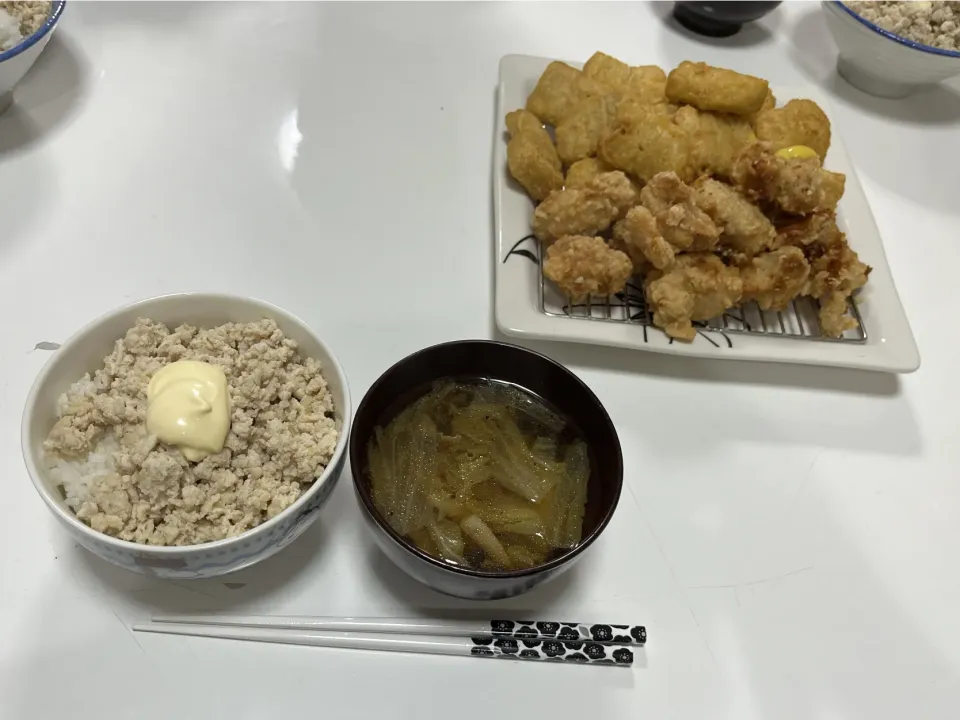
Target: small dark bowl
507, 363
719, 19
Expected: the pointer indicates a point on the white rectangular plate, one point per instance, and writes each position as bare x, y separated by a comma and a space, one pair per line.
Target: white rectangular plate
889, 346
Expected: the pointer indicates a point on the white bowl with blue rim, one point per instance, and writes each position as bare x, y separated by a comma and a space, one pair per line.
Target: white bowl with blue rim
84, 352
15, 62
883, 63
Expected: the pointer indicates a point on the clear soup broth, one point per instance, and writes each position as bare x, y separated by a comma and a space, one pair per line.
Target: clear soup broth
481, 474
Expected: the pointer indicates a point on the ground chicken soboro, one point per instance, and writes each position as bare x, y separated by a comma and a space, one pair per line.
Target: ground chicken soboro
282, 435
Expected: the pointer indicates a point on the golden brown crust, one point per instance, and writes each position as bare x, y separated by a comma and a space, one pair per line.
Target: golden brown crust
588, 210
618, 189
646, 83
769, 103
583, 171
773, 279
583, 266
531, 157
638, 235
556, 94
647, 145
682, 223
716, 140
795, 185
799, 122
698, 286
578, 135
836, 271
573, 211
712, 88
744, 229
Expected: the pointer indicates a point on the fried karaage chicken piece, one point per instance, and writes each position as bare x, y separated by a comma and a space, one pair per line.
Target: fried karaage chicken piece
799, 122
556, 94
572, 211
618, 189
817, 229
647, 144
698, 286
681, 222
582, 266
646, 83
716, 140
711, 88
638, 236
795, 185
587, 210
583, 171
744, 229
835, 274
775, 278
531, 157
836, 271
580, 131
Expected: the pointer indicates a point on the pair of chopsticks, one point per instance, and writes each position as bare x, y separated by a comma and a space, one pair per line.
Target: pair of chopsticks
594, 644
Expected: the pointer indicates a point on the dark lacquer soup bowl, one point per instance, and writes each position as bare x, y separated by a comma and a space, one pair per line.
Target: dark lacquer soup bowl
498, 362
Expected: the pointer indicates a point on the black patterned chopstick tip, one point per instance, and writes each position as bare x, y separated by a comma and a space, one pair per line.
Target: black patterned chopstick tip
570, 632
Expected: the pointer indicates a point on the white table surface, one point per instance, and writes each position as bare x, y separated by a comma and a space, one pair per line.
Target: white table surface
788, 535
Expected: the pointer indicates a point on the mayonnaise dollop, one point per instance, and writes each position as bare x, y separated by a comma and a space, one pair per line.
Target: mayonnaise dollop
188, 406
798, 152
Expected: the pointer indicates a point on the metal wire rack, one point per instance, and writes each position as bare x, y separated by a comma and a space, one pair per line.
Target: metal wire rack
801, 321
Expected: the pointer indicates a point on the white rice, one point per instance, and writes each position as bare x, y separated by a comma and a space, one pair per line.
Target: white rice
76, 476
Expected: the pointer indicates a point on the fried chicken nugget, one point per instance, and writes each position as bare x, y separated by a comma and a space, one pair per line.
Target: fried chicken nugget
698, 286
795, 185
775, 278
556, 94
799, 122
711, 88
633, 109
583, 266
520, 121
580, 131
531, 157
646, 83
716, 140
638, 236
583, 171
744, 229
681, 222
836, 271
648, 144
608, 70
769, 103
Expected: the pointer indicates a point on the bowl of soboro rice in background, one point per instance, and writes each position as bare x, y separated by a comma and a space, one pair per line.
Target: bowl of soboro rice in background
484, 469
891, 49
188, 436
25, 30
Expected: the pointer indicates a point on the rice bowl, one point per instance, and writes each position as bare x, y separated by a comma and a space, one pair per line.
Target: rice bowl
61, 486
24, 43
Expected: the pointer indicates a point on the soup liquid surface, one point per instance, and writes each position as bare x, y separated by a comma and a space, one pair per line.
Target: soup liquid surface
481, 474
